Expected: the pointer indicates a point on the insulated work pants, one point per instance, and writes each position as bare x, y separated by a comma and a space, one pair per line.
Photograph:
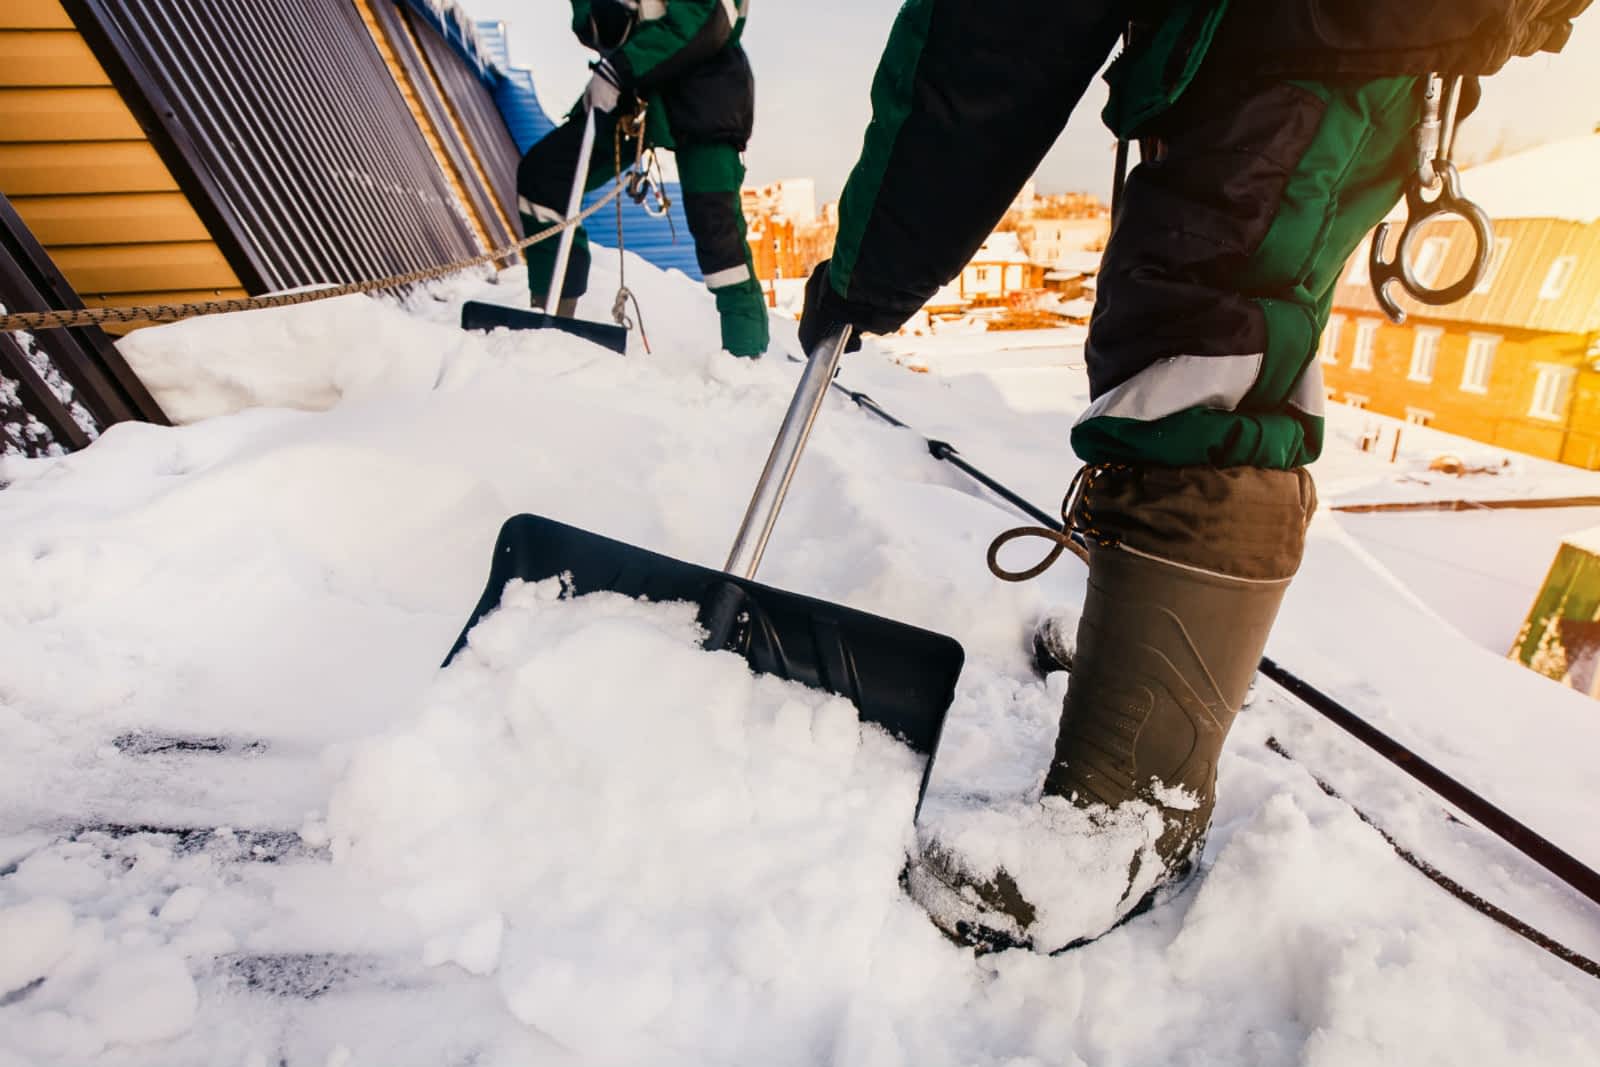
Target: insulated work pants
711, 174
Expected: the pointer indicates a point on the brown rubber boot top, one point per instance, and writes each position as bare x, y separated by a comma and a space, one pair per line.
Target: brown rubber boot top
1187, 569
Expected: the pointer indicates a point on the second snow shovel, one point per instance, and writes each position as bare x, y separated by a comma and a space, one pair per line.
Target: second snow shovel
480, 316
901, 677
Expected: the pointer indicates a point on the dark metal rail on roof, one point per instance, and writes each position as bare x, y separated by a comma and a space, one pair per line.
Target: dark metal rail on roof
71, 383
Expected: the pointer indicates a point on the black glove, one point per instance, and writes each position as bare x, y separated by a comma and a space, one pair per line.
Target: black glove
826, 311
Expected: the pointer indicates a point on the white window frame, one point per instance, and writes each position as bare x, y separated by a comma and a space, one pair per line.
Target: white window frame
1479, 366
1497, 258
1356, 400
1418, 416
1430, 260
1552, 392
1366, 341
1425, 354
980, 275
1328, 349
1556, 279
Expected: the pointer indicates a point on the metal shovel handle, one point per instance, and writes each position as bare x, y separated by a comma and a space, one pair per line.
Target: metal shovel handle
558, 276
773, 486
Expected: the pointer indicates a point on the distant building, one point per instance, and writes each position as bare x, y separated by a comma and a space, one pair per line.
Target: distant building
787, 235
1050, 241
792, 198
1514, 364
999, 269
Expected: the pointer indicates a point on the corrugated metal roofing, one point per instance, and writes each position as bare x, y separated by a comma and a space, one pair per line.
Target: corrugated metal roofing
513, 89
466, 85
646, 236
283, 125
452, 23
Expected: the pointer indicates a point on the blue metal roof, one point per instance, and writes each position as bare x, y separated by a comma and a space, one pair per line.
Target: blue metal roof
649, 237
514, 95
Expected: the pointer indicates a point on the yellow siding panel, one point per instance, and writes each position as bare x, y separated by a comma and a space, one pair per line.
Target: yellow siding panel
41, 58
110, 219
34, 15
144, 268
72, 114
82, 167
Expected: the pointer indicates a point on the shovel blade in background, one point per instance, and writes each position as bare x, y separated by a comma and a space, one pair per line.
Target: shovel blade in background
900, 677
480, 316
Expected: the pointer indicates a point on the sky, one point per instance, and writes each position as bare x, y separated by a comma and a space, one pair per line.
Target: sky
814, 61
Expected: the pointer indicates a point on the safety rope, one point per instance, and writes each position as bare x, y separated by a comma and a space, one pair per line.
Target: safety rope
46, 320
1450, 885
1546, 854
619, 306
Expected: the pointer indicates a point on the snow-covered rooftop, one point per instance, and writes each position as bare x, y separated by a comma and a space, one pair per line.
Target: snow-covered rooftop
1002, 246
589, 842
1558, 180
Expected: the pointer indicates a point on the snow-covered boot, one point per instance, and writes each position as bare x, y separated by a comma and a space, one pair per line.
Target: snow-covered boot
1187, 569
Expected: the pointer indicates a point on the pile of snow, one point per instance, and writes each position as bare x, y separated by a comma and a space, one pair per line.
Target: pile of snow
589, 842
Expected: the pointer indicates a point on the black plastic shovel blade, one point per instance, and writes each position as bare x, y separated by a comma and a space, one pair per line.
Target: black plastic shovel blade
901, 677
480, 316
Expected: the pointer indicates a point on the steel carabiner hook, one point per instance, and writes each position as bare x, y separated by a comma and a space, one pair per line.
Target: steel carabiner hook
1435, 143
1418, 211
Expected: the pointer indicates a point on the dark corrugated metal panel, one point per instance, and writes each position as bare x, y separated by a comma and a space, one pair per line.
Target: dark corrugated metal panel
407, 48
467, 90
58, 388
664, 245
459, 31
285, 129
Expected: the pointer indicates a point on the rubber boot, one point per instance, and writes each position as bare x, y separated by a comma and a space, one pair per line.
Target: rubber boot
1187, 569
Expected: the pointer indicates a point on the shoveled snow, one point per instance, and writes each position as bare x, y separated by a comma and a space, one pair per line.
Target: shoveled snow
589, 842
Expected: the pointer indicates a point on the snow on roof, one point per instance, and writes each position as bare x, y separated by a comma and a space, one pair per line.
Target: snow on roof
1001, 247
1078, 262
1588, 540
1558, 180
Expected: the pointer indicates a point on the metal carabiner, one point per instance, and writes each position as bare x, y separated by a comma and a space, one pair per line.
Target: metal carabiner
1418, 211
1435, 143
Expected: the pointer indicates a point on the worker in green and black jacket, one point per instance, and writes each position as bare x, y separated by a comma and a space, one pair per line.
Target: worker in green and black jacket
1274, 134
682, 58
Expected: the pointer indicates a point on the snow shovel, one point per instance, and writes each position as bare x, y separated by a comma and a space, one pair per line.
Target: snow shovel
480, 316
900, 677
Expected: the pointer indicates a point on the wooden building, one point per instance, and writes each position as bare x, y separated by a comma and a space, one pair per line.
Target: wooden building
1514, 363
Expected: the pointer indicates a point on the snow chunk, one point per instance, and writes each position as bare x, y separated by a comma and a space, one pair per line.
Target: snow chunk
140, 997
661, 829
1071, 863
36, 935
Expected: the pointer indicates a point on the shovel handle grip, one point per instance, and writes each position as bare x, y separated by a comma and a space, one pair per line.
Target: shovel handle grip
762, 514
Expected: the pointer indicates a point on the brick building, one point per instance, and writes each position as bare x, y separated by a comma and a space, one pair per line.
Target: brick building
1514, 363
